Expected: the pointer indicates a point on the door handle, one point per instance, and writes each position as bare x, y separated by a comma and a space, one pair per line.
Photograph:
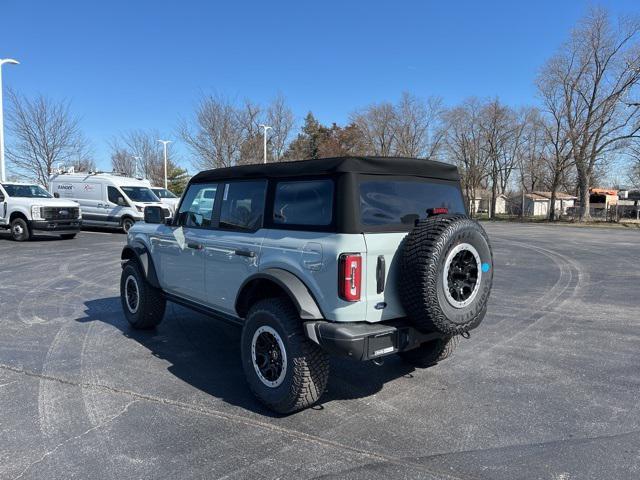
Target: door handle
245, 253
194, 246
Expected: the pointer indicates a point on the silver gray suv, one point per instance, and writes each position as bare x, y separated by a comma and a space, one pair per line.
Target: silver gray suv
361, 257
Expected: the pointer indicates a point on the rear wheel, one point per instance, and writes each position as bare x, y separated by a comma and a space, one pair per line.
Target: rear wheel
127, 223
20, 230
285, 370
143, 304
430, 353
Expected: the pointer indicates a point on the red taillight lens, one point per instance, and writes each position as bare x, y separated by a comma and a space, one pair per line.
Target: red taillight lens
350, 276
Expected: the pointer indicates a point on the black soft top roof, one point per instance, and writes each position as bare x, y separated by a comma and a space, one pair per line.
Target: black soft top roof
367, 165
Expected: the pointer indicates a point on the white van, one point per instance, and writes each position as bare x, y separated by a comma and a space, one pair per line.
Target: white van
167, 197
106, 199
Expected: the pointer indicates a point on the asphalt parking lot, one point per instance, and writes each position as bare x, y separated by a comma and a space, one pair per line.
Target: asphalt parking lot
547, 388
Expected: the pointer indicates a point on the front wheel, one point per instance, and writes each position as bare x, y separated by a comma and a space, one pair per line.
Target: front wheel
285, 370
143, 304
20, 230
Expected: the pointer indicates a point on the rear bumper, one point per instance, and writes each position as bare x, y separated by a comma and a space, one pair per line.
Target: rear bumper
366, 341
56, 226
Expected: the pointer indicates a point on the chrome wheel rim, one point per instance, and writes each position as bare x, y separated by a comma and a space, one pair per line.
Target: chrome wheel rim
18, 231
462, 275
131, 294
269, 356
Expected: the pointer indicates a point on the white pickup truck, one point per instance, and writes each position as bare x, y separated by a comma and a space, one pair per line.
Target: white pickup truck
27, 208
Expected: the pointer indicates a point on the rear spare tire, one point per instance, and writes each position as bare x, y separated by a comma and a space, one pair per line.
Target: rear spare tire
446, 269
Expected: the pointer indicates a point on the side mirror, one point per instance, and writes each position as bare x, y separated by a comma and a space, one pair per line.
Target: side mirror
56, 195
122, 202
153, 214
168, 221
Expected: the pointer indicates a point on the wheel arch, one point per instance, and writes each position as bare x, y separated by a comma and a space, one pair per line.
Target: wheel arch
18, 214
274, 282
141, 255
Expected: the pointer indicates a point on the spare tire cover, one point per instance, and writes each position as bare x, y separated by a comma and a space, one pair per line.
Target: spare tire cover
446, 274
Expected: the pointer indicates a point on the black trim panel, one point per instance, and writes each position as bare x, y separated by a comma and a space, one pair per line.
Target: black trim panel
204, 310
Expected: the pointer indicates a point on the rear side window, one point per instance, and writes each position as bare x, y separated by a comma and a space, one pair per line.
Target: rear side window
401, 202
243, 205
196, 210
303, 203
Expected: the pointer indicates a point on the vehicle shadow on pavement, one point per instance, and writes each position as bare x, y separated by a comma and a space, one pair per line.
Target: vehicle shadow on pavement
205, 353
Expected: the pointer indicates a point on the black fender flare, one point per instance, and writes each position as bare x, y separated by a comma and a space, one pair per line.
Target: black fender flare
291, 284
140, 253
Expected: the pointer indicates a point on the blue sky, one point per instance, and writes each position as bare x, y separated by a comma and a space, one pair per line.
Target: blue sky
143, 64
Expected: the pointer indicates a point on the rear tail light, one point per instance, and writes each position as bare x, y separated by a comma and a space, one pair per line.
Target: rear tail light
350, 276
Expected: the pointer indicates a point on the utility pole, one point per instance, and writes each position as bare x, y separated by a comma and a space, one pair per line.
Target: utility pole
165, 142
3, 173
266, 127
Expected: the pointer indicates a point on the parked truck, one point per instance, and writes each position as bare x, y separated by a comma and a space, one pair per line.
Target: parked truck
27, 209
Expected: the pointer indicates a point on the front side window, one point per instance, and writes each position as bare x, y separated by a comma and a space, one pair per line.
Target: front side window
115, 196
140, 194
26, 191
401, 202
303, 203
243, 205
196, 210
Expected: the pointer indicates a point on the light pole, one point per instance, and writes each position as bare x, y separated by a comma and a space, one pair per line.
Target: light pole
266, 127
135, 165
164, 142
10, 61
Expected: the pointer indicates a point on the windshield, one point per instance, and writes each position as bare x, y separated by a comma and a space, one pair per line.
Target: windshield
28, 191
163, 193
401, 202
140, 194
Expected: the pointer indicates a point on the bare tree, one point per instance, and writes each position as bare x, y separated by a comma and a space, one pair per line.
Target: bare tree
595, 73
417, 129
465, 146
634, 170
280, 118
215, 135
377, 126
501, 140
122, 161
138, 152
44, 134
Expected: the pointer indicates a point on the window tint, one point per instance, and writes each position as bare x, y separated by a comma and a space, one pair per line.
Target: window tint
196, 209
113, 194
400, 202
243, 205
303, 203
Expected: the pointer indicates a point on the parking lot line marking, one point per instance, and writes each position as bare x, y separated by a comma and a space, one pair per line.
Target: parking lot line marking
243, 420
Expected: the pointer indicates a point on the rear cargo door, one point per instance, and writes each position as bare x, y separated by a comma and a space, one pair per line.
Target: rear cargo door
389, 207
382, 275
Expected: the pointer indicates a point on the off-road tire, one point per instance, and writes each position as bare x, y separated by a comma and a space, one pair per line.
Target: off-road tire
126, 224
430, 353
424, 256
68, 236
20, 230
151, 302
307, 364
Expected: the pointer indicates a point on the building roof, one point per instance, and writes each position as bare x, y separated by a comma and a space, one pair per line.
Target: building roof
559, 195
367, 165
535, 197
603, 191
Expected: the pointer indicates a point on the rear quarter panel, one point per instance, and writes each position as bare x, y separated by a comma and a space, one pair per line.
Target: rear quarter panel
313, 257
